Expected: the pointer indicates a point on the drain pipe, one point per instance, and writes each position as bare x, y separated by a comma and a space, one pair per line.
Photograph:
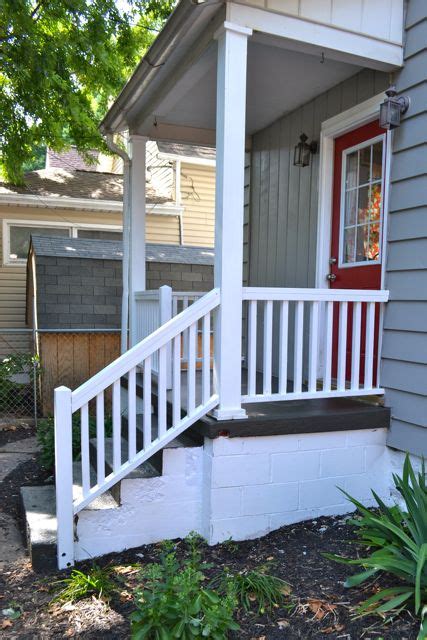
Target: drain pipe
126, 236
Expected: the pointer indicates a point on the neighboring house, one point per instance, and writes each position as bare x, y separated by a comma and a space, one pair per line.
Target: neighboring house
319, 288
71, 198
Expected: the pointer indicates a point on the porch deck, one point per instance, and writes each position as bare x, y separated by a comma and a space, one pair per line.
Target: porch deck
283, 417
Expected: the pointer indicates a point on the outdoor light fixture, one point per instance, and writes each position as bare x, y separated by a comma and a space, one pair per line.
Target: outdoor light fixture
392, 108
303, 151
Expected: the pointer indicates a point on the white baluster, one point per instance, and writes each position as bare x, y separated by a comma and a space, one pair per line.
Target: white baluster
329, 327
132, 413
299, 334
314, 347
283, 347
84, 439
117, 427
355, 347
100, 438
206, 358
268, 346
176, 383
191, 369
161, 388
252, 331
369, 345
342, 346
146, 399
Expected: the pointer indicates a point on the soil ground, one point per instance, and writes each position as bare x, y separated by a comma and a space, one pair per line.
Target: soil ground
319, 605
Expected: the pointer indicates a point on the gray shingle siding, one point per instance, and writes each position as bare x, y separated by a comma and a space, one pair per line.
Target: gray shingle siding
404, 355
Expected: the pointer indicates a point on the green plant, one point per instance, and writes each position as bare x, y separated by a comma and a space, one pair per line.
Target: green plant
230, 545
175, 603
397, 542
46, 437
82, 585
256, 586
15, 393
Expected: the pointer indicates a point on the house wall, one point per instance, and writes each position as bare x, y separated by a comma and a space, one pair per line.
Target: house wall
284, 198
381, 19
404, 363
198, 200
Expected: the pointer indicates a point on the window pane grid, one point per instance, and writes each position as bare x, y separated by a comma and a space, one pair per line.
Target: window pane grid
360, 222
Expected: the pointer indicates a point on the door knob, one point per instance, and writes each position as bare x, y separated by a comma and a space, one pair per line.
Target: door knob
331, 277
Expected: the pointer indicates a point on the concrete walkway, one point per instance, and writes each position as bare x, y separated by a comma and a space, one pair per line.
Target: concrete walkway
12, 455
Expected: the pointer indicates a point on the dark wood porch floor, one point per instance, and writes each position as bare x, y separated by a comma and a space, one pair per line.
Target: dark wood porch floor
288, 417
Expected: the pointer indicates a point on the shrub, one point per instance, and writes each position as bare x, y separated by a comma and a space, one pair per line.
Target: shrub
46, 437
174, 601
396, 540
13, 394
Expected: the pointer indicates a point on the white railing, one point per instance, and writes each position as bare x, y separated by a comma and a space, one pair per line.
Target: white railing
146, 434
312, 343
154, 308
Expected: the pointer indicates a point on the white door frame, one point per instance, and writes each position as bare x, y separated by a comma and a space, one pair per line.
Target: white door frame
330, 129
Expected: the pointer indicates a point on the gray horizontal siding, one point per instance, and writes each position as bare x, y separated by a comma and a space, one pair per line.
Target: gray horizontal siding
404, 356
409, 346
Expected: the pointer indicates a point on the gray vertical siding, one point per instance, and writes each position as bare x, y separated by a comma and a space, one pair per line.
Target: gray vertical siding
404, 362
284, 198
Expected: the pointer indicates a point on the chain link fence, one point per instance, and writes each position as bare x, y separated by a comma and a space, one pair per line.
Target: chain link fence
19, 374
34, 363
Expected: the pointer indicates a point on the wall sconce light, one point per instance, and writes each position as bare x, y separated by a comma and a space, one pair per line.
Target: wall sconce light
392, 109
303, 151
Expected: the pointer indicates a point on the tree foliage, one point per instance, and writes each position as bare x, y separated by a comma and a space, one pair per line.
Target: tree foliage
61, 62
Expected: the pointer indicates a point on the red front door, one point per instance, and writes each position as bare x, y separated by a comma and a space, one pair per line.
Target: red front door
357, 220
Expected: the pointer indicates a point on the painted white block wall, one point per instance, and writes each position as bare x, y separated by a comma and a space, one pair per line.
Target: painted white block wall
242, 488
259, 484
151, 509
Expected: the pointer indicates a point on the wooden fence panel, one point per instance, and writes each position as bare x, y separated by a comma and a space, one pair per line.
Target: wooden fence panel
71, 358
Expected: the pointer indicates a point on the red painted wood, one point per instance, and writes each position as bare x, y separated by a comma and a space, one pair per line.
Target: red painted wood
358, 277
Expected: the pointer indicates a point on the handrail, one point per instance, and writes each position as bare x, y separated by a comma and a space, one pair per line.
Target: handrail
317, 295
143, 349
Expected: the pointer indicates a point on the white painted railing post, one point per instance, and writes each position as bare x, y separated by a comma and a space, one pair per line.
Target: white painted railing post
229, 211
137, 281
165, 314
64, 477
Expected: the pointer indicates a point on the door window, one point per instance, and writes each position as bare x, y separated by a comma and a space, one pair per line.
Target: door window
361, 204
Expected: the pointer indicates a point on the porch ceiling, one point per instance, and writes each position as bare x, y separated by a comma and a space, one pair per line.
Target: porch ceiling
278, 80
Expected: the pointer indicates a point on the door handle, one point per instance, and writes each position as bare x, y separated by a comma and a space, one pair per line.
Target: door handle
331, 277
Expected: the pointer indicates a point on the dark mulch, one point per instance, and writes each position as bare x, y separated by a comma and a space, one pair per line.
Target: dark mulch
293, 553
14, 430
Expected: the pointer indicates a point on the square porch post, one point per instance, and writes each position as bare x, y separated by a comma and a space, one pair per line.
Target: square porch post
136, 238
229, 208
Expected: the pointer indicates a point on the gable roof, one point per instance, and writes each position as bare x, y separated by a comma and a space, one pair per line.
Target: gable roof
113, 250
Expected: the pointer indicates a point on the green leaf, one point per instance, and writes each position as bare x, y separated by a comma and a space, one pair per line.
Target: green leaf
358, 578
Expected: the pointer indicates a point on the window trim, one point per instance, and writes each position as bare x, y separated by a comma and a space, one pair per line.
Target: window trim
346, 152
72, 228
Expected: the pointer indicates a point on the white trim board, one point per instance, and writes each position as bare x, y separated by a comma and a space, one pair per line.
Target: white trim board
332, 128
344, 44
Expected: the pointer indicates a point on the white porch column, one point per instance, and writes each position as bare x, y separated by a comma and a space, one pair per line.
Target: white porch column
230, 169
137, 280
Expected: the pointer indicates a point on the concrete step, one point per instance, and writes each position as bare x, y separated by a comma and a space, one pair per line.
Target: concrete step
39, 509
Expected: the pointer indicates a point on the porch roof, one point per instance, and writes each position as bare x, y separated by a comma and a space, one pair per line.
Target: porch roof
172, 94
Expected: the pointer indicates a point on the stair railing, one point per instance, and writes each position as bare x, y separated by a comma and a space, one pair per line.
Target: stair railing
176, 411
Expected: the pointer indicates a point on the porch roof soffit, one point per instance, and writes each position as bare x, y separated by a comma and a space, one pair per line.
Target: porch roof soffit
182, 63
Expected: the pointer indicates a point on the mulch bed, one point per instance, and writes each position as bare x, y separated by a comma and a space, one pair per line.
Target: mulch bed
321, 606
